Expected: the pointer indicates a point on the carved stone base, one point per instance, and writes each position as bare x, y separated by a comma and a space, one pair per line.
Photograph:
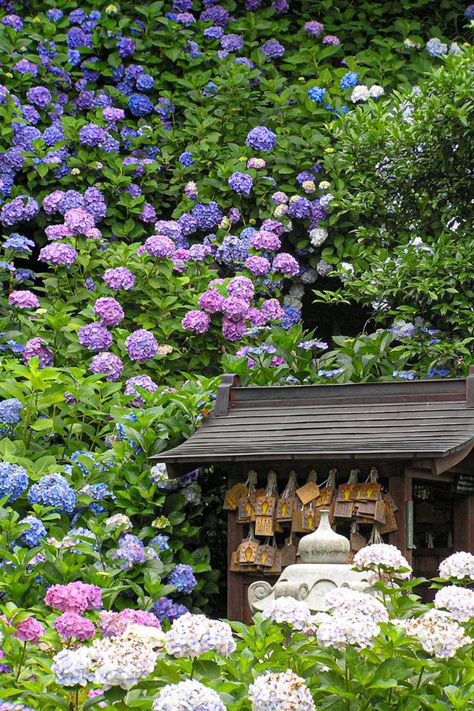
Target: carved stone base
309, 582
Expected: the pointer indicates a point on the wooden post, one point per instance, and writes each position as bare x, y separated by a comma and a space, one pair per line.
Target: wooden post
463, 534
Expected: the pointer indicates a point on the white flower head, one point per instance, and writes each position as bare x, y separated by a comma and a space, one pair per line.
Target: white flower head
437, 632
347, 628
384, 557
458, 600
73, 667
287, 609
192, 635
189, 695
459, 566
282, 691
360, 93
318, 236
121, 661
345, 600
375, 91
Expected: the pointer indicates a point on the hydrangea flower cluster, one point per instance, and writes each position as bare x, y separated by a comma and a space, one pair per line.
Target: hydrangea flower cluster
280, 690
13, 481
458, 566
182, 577
344, 601
186, 695
437, 632
53, 490
457, 600
351, 628
193, 635
286, 609
113, 624
382, 557
74, 597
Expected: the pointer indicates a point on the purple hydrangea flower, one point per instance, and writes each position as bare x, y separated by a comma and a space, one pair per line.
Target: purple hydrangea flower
196, 321
207, 216
119, 278
107, 364
211, 301
20, 209
182, 578
241, 183
92, 135
139, 381
37, 348
272, 310
242, 287
286, 264
235, 309
141, 345
95, 337
78, 221
256, 317
166, 609
217, 14
23, 299
39, 96
13, 21
58, 254
265, 240
233, 330
109, 311
125, 47
232, 43
198, 252
314, 28
331, 39
158, 246
261, 138
300, 209
258, 266
273, 49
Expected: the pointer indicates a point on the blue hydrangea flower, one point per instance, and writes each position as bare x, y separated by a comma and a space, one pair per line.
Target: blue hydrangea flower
10, 410
53, 490
19, 243
34, 534
316, 94
349, 80
166, 609
292, 316
160, 541
140, 105
186, 159
13, 481
182, 577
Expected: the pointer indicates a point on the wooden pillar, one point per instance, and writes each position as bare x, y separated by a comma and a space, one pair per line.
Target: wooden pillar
400, 487
463, 534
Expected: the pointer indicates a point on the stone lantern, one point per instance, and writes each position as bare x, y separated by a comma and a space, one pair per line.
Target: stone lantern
323, 567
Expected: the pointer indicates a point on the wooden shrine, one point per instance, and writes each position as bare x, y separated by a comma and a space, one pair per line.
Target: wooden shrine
393, 460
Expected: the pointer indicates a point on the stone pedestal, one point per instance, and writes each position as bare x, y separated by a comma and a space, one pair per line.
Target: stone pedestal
324, 554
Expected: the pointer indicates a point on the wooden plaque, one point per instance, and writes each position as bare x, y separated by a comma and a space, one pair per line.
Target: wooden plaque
245, 510
380, 514
344, 509
284, 509
325, 497
307, 493
264, 505
233, 496
311, 519
248, 552
288, 553
265, 556
264, 526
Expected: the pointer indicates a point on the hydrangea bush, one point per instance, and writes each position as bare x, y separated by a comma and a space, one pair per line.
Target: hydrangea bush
381, 648
174, 193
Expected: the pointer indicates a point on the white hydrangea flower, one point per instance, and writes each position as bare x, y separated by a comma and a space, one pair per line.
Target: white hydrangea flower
309, 276
282, 691
73, 667
318, 236
189, 695
437, 632
287, 609
280, 211
375, 91
193, 635
297, 290
326, 199
290, 300
382, 556
459, 566
309, 186
118, 520
346, 601
459, 601
121, 661
346, 628
148, 635
360, 93
159, 473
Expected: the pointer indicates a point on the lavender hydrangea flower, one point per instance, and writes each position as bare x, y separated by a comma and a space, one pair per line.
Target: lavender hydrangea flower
158, 246
95, 337
314, 28
119, 278
233, 330
272, 310
109, 311
235, 309
258, 266
139, 381
182, 578
265, 240
58, 254
166, 609
107, 364
241, 183
261, 138
196, 321
241, 287
39, 95
285, 264
37, 348
141, 345
78, 221
10, 411
207, 215
273, 49
211, 301
21, 209
23, 299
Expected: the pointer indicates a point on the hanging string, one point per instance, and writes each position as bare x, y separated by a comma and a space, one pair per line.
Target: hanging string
354, 527
373, 476
251, 482
450, 539
290, 488
313, 476
353, 476
272, 489
375, 536
429, 540
251, 533
330, 482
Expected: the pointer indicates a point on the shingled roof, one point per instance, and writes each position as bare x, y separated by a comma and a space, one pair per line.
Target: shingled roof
428, 419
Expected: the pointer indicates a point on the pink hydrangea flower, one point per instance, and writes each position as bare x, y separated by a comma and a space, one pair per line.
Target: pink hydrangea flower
29, 630
71, 625
74, 597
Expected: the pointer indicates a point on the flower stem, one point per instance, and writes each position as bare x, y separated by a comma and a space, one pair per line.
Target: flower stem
20, 666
